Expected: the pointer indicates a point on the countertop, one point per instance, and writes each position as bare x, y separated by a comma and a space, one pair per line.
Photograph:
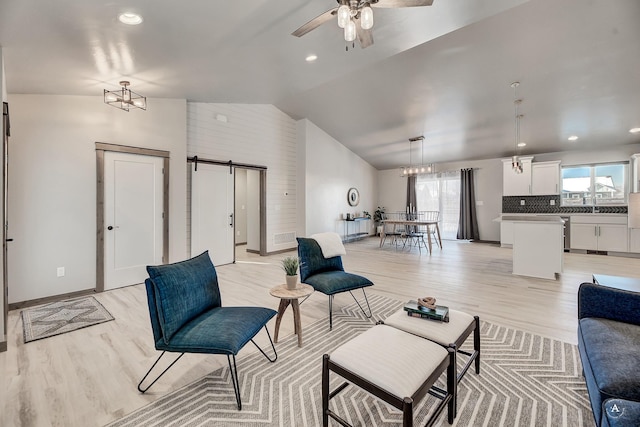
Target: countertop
531, 218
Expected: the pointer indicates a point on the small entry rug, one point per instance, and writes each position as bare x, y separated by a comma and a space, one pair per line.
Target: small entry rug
525, 380
62, 316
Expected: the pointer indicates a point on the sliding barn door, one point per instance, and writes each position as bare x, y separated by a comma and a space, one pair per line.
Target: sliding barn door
212, 212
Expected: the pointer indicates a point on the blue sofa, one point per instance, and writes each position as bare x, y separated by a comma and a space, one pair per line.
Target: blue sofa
609, 344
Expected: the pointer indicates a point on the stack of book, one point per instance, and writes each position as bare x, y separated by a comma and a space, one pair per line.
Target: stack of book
440, 313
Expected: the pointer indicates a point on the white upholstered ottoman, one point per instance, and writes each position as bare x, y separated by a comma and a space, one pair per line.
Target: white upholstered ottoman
395, 366
450, 334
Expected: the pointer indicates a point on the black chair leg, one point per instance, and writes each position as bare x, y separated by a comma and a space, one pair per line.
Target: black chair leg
330, 312
233, 371
272, 346
368, 316
142, 390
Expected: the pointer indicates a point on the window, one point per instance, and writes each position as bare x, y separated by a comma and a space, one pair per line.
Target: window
589, 185
441, 192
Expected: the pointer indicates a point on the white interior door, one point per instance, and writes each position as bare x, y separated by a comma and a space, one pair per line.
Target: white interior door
133, 201
212, 217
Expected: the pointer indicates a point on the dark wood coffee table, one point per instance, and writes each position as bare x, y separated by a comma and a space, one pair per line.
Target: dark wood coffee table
625, 283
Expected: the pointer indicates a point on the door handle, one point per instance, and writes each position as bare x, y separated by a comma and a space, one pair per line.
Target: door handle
112, 227
8, 240
231, 220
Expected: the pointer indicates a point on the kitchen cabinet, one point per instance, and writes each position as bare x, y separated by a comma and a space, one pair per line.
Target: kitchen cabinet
506, 234
599, 233
545, 178
516, 184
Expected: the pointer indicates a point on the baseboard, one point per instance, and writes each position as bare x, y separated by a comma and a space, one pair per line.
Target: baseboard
46, 300
282, 251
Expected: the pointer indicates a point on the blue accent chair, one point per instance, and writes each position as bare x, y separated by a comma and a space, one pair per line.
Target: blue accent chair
187, 316
327, 275
609, 344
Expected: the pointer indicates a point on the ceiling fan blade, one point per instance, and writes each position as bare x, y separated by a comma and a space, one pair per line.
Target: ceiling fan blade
315, 22
401, 3
365, 37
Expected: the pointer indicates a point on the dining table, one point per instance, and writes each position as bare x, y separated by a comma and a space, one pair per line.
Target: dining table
416, 223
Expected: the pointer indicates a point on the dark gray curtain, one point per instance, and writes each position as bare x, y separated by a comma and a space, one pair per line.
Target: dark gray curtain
411, 193
468, 223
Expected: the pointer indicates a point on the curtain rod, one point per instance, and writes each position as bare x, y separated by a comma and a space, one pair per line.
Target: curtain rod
230, 163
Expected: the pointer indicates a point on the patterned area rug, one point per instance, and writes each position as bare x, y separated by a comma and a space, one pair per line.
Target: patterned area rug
63, 316
525, 379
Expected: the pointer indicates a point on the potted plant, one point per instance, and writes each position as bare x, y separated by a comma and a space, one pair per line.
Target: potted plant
378, 216
290, 266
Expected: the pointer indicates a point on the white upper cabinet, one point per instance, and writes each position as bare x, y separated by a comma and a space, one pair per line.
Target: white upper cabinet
545, 178
516, 184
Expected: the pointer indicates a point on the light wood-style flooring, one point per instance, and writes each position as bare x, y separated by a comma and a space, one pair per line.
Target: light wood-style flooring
88, 377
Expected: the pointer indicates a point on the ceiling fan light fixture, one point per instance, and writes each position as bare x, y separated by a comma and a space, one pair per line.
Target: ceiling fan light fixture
366, 18
350, 31
344, 15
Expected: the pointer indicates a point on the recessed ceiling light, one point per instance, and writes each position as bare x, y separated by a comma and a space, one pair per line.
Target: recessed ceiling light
522, 144
311, 58
634, 130
572, 138
130, 18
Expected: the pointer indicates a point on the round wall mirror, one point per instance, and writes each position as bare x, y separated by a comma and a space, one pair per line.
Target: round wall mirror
353, 197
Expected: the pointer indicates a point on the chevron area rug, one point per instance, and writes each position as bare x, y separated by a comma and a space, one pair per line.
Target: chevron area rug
525, 380
62, 316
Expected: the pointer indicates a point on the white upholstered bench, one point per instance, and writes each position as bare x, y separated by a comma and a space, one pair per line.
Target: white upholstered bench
450, 334
395, 366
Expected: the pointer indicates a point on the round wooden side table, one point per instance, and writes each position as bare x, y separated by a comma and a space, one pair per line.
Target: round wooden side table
290, 296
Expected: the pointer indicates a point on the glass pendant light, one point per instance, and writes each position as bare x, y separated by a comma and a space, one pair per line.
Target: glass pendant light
366, 18
350, 31
344, 15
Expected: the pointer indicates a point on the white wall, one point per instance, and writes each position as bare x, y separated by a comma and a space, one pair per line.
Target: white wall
330, 170
3, 95
253, 210
253, 134
52, 184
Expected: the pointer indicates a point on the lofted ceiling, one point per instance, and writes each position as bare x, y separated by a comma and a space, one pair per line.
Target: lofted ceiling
442, 71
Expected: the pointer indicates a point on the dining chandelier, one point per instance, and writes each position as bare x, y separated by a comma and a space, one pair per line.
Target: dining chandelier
422, 167
516, 164
124, 98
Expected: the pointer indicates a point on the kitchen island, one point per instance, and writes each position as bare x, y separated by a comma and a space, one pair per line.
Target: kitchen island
538, 247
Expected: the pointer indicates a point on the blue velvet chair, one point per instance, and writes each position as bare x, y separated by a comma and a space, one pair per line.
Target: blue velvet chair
609, 344
327, 275
187, 316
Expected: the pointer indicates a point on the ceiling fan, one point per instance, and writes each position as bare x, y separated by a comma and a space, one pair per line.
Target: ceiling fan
356, 17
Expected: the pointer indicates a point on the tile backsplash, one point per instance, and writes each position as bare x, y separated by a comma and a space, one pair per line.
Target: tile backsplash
542, 204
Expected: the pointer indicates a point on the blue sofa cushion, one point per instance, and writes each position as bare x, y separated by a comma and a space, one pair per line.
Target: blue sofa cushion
220, 330
334, 282
611, 350
312, 260
621, 413
183, 291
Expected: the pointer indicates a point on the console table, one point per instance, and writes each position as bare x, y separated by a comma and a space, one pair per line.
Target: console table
352, 229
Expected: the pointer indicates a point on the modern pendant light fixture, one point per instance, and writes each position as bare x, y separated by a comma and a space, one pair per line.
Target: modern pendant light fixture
516, 164
422, 168
125, 98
